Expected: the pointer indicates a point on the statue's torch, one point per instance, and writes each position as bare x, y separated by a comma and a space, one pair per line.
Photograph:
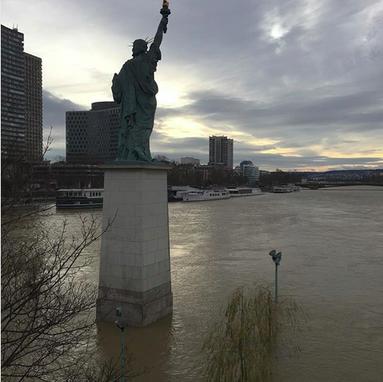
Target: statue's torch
165, 12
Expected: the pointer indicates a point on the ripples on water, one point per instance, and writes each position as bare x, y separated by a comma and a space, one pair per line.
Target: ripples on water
332, 244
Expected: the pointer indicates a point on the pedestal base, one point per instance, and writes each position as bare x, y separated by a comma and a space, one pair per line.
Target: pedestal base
139, 309
135, 260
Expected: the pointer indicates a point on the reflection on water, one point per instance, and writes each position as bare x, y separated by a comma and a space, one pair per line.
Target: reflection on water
332, 243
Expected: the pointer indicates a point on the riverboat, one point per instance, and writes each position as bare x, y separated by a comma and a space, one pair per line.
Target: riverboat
284, 189
79, 198
203, 195
243, 191
176, 193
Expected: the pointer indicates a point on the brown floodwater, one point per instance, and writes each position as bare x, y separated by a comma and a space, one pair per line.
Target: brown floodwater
332, 265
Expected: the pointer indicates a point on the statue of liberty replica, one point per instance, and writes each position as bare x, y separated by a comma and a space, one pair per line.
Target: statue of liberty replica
135, 89
135, 278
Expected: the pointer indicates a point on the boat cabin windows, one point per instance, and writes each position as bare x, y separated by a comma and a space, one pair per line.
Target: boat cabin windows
94, 193
79, 193
217, 193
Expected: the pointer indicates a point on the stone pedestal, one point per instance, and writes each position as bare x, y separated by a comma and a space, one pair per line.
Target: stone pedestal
135, 259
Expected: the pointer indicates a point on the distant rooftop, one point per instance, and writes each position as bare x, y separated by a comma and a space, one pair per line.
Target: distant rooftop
103, 105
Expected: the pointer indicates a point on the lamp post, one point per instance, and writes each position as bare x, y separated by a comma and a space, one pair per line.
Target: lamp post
121, 326
277, 259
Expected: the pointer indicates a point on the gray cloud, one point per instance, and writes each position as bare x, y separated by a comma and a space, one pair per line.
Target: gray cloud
54, 109
176, 148
288, 119
319, 81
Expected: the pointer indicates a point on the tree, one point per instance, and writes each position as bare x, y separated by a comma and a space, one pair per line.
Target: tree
47, 309
17, 177
241, 346
279, 177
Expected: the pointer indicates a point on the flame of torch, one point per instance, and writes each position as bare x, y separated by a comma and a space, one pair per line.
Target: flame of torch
165, 11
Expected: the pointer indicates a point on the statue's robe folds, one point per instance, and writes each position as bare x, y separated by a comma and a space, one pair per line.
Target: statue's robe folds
135, 89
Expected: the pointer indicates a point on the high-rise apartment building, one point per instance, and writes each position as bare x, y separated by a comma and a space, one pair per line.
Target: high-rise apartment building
13, 122
34, 107
21, 99
221, 151
92, 136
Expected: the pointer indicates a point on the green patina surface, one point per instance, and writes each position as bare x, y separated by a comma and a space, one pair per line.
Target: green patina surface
135, 89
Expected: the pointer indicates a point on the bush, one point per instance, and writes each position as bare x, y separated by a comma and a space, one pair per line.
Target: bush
242, 346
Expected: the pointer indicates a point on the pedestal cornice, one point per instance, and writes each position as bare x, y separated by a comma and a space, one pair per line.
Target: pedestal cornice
134, 165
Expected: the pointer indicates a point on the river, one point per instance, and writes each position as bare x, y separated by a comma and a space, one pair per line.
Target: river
332, 265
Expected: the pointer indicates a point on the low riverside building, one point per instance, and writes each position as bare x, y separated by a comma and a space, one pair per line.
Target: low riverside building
47, 177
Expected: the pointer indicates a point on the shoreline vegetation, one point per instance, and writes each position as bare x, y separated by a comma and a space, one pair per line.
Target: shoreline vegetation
243, 344
40, 200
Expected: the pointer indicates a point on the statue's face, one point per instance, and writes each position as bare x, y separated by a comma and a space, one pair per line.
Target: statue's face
139, 47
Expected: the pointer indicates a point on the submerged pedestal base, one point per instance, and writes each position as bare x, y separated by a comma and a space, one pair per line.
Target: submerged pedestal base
135, 260
138, 309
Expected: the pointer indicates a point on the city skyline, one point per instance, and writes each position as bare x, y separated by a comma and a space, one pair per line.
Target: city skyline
296, 84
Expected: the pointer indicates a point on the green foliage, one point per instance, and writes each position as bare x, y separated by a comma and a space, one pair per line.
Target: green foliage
278, 178
242, 346
203, 176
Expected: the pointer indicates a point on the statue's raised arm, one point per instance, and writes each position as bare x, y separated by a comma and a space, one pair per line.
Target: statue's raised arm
160, 32
163, 26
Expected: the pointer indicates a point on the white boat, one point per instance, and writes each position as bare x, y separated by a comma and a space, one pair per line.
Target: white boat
79, 198
176, 193
243, 191
201, 195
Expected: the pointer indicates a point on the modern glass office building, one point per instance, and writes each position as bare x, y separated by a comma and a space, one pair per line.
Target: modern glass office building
92, 136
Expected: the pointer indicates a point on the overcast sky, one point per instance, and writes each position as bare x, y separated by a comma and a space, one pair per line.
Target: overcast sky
298, 84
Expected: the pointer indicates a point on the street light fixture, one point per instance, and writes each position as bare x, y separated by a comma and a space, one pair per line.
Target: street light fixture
276, 256
121, 326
